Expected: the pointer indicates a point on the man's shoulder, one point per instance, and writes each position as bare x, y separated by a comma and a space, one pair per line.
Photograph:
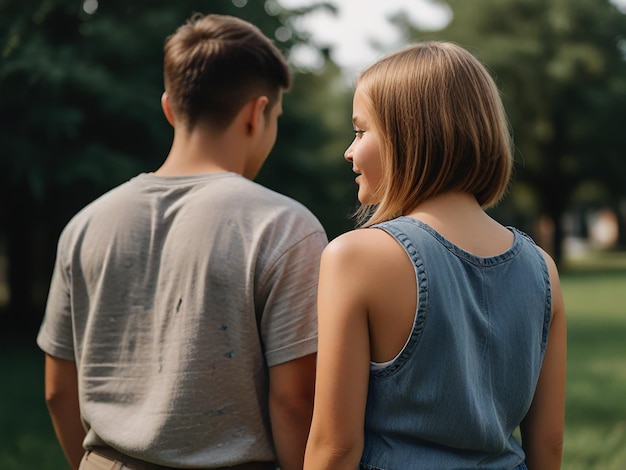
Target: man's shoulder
263, 198
255, 190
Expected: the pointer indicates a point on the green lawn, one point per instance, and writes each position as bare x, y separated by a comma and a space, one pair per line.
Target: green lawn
595, 298
595, 436
27, 439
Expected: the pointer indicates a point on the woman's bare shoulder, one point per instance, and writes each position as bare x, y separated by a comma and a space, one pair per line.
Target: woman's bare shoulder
364, 248
361, 240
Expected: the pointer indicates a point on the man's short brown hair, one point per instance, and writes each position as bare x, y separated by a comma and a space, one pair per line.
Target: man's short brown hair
214, 64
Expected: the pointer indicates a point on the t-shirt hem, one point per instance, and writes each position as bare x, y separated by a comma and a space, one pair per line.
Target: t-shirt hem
54, 349
291, 352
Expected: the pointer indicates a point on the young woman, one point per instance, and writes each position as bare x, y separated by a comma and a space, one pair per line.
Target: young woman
441, 331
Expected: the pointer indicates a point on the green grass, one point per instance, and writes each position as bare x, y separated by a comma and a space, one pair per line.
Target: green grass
27, 439
595, 299
595, 434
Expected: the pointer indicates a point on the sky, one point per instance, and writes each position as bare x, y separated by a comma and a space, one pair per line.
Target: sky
360, 21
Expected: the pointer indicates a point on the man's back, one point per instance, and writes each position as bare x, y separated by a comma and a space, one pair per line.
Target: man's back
180, 325
183, 291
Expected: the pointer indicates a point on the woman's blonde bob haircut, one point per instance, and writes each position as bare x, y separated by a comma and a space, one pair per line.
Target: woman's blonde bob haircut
441, 126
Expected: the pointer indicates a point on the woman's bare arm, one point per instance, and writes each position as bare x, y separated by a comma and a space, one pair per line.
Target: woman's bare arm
543, 427
336, 437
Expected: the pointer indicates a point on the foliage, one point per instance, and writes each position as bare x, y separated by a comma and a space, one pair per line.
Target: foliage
560, 66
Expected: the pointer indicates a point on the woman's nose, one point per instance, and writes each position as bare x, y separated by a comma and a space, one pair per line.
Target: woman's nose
348, 154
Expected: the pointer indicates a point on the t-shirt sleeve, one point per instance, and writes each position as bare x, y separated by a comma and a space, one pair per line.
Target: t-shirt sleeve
55, 335
289, 321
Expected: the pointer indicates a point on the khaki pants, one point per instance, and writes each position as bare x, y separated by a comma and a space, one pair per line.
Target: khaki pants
105, 458
91, 461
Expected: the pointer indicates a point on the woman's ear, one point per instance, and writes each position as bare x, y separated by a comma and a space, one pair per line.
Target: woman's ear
256, 116
167, 109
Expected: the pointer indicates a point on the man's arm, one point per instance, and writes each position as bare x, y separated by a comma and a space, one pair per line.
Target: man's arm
61, 391
292, 387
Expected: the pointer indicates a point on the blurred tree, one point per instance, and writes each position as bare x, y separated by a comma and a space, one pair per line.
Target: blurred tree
80, 88
560, 65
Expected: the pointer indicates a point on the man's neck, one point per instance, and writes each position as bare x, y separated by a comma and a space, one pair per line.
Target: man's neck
197, 152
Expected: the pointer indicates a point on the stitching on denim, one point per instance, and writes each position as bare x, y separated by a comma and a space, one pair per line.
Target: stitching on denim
422, 302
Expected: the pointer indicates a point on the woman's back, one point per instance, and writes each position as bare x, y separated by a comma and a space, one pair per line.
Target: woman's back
457, 218
466, 377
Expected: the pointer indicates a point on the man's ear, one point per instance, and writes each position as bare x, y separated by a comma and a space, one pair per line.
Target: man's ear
256, 116
167, 109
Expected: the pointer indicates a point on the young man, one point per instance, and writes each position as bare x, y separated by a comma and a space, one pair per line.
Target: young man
180, 329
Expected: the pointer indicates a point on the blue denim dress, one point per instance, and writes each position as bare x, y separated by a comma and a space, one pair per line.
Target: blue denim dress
466, 377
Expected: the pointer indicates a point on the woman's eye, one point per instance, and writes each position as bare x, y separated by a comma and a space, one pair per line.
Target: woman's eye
358, 132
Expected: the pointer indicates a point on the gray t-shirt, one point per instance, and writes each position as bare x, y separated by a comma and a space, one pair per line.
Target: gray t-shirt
174, 295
